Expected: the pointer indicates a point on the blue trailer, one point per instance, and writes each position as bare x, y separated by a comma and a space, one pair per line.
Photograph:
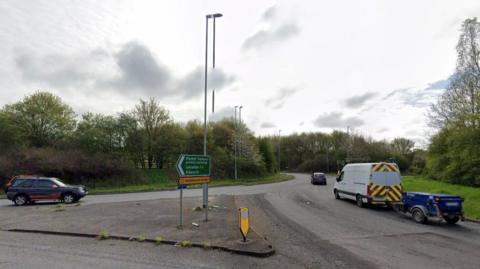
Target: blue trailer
424, 206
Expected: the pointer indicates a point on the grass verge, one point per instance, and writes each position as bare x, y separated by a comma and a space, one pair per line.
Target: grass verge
159, 182
471, 205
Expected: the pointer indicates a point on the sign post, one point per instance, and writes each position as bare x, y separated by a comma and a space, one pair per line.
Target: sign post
244, 222
192, 170
181, 207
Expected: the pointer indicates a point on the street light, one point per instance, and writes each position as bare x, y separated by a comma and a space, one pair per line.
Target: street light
207, 17
235, 142
279, 167
241, 127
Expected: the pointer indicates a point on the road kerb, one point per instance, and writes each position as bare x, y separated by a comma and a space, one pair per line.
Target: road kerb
260, 254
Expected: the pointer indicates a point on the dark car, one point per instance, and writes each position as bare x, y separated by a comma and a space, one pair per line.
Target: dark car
28, 189
318, 178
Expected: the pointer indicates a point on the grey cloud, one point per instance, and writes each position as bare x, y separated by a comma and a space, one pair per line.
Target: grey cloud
267, 125
140, 70
337, 120
267, 37
193, 83
53, 70
417, 97
358, 100
278, 101
131, 70
269, 13
395, 92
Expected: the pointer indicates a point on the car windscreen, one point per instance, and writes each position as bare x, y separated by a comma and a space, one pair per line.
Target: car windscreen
386, 178
18, 182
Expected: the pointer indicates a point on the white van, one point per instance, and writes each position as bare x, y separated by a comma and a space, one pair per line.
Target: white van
369, 183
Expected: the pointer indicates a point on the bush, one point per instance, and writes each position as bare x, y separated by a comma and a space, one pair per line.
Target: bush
72, 166
454, 156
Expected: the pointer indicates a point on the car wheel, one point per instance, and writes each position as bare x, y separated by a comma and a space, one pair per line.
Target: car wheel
451, 220
359, 201
68, 198
337, 195
20, 200
419, 216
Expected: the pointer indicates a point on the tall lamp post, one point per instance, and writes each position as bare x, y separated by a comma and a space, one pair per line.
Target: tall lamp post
235, 142
279, 167
240, 131
207, 17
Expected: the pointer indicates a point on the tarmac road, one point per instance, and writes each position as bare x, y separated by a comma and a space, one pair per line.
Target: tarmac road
308, 228
381, 236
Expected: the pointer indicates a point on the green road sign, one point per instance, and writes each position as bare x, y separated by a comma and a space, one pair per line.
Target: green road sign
193, 166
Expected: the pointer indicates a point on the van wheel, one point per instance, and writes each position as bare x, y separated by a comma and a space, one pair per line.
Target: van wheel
359, 201
418, 216
337, 195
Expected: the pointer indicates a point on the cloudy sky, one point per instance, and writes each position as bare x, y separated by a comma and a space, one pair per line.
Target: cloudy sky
295, 66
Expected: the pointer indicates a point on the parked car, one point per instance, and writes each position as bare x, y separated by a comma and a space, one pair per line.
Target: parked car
318, 178
424, 206
28, 189
369, 183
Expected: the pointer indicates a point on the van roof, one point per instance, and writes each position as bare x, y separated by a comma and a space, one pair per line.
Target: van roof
364, 164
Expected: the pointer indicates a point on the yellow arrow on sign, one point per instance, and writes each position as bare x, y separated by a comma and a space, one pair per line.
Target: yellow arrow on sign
244, 222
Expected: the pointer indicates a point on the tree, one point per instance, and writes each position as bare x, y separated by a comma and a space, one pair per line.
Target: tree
402, 146
42, 118
266, 151
151, 117
461, 100
454, 152
9, 138
99, 133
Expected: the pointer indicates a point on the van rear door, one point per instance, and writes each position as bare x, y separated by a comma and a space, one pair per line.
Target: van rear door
388, 176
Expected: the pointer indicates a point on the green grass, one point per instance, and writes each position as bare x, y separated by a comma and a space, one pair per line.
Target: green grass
471, 205
159, 180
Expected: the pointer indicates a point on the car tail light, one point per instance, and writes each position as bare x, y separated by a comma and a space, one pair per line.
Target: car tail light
369, 190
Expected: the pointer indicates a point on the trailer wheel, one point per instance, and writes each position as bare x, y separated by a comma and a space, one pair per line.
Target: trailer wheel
397, 207
451, 220
419, 216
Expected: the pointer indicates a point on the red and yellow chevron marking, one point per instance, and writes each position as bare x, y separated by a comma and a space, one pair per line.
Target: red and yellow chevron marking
385, 167
394, 194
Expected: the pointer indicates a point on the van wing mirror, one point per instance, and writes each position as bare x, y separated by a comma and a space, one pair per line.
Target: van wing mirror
338, 179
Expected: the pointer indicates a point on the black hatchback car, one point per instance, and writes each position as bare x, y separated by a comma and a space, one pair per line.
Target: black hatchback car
28, 189
318, 178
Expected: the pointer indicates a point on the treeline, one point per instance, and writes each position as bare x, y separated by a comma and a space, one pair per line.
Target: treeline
454, 152
308, 152
41, 135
